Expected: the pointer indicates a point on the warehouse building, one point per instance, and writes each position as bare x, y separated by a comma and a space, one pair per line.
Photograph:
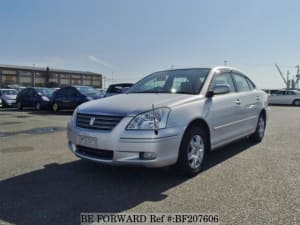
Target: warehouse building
27, 76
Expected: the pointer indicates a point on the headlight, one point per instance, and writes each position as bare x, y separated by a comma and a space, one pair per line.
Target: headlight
74, 115
46, 99
153, 119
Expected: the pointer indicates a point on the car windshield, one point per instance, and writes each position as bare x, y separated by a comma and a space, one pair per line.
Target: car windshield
184, 81
87, 90
45, 91
9, 92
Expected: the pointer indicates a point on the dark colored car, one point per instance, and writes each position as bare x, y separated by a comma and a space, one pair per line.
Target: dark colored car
37, 97
72, 96
115, 89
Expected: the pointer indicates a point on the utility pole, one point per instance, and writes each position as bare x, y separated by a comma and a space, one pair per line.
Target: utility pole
103, 81
112, 77
297, 76
33, 73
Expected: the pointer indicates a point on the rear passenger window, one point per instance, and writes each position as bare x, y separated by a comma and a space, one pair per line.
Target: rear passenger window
241, 83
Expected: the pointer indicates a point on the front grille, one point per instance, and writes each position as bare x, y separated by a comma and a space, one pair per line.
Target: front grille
95, 153
97, 122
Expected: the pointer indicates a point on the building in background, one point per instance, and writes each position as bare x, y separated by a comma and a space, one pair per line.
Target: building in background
12, 76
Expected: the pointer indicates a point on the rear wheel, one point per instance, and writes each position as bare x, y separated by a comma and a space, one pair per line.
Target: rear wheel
19, 106
55, 107
193, 150
260, 129
296, 102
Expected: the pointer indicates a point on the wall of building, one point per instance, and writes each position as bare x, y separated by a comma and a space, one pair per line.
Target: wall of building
9, 77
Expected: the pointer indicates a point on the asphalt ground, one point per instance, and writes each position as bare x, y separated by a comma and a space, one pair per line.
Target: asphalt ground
41, 182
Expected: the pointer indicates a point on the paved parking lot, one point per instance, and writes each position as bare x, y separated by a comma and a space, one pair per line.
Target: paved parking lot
41, 182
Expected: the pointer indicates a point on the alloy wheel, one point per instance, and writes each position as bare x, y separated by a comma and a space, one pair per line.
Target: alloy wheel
195, 151
261, 126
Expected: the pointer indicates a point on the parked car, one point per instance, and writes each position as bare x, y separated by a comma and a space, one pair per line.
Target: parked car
101, 92
72, 96
284, 97
16, 87
8, 97
170, 117
115, 89
37, 97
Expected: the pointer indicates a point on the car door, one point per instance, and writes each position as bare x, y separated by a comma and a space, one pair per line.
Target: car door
248, 101
274, 97
27, 97
64, 98
223, 111
76, 96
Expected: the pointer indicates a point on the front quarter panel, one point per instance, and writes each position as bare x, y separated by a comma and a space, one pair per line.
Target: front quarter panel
182, 115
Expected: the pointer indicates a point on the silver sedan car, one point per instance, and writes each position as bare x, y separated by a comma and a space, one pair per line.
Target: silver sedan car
170, 117
284, 97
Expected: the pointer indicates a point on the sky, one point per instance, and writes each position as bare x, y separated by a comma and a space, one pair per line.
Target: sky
127, 40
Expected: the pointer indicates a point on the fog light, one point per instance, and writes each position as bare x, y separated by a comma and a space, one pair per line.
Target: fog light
147, 155
72, 147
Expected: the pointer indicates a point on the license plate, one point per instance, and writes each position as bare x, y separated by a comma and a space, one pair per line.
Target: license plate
87, 141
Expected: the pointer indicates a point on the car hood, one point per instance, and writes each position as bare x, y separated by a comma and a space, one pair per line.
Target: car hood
133, 104
10, 97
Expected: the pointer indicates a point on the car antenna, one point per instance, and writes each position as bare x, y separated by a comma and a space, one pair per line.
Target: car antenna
155, 129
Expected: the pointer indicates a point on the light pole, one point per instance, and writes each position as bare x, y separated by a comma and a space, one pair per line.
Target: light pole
33, 74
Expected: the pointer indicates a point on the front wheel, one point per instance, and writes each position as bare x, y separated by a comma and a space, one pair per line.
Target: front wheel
55, 107
260, 129
193, 150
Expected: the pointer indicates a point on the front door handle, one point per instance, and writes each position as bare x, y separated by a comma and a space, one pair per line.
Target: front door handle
238, 102
257, 98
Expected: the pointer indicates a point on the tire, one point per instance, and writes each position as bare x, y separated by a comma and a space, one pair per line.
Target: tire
38, 106
193, 149
19, 106
55, 107
260, 129
296, 102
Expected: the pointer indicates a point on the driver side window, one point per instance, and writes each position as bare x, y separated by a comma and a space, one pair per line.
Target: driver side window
223, 79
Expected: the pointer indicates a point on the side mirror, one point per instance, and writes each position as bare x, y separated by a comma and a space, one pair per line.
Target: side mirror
219, 90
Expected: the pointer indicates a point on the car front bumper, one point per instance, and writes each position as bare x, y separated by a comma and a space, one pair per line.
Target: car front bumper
9, 103
136, 148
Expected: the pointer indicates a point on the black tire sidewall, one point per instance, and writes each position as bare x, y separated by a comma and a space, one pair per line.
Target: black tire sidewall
256, 137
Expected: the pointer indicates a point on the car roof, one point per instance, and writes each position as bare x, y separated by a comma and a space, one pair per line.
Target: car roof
207, 68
